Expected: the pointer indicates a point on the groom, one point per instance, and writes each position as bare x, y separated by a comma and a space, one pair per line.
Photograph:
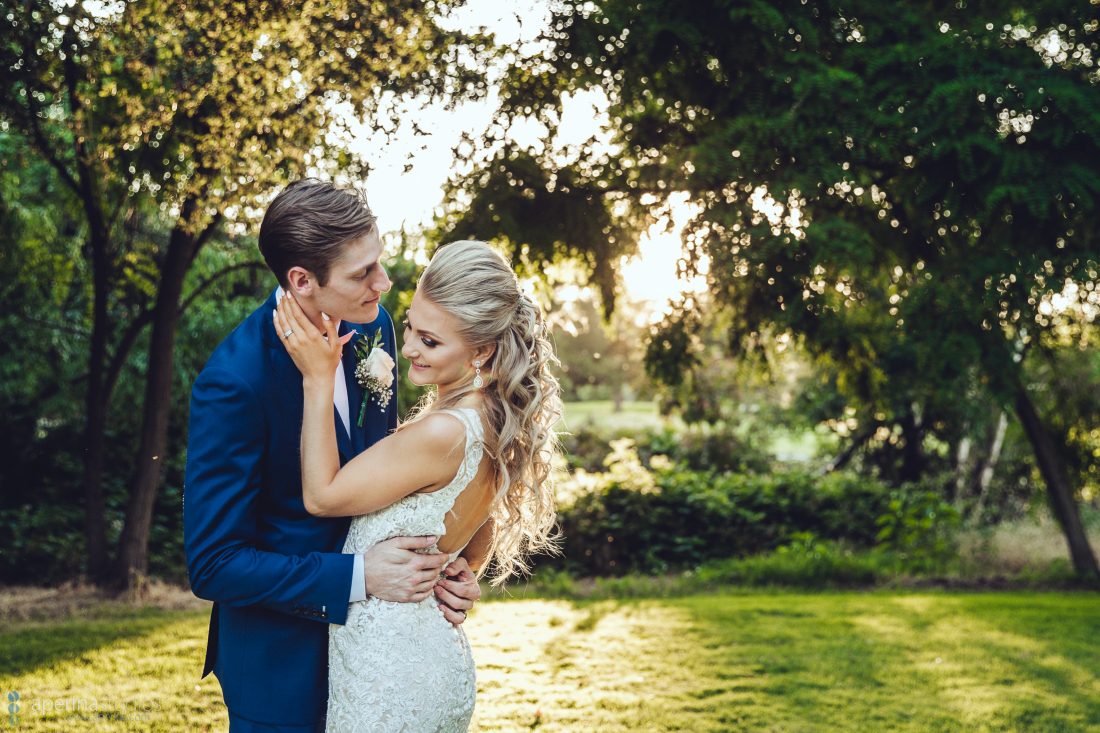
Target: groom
276, 574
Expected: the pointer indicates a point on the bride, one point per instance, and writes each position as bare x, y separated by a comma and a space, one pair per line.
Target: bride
476, 452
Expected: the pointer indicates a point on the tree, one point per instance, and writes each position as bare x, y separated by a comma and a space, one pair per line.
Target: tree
166, 121
901, 186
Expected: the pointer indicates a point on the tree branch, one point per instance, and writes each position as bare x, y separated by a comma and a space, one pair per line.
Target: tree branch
46, 149
60, 327
122, 351
202, 286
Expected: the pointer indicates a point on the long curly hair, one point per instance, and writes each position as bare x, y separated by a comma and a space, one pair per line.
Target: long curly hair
521, 399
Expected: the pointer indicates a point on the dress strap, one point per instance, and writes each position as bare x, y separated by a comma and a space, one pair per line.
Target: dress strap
471, 458
471, 420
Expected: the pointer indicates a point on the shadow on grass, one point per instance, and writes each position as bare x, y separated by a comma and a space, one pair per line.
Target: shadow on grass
29, 646
992, 662
1044, 647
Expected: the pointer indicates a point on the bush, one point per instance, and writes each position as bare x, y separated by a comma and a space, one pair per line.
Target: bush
921, 527
43, 544
805, 563
697, 448
629, 519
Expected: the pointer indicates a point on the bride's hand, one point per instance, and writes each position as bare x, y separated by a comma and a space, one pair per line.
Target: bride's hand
316, 355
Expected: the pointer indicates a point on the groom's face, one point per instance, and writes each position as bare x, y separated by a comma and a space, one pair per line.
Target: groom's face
356, 282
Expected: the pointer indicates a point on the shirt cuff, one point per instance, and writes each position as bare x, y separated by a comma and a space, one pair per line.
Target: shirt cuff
358, 582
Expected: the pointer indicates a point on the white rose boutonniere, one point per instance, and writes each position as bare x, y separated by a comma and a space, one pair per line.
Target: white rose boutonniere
374, 373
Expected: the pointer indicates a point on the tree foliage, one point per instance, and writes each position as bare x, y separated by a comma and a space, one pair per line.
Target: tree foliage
161, 123
906, 187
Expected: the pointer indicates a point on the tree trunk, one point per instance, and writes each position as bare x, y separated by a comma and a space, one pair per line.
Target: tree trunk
1062, 501
132, 565
95, 410
912, 430
962, 460
983, 471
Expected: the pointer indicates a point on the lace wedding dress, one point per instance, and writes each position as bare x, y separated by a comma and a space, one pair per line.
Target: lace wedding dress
403, 666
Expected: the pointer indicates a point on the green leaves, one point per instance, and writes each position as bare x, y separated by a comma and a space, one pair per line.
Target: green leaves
938, 158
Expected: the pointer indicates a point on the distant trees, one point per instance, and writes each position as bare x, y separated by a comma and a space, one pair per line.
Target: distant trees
910, 190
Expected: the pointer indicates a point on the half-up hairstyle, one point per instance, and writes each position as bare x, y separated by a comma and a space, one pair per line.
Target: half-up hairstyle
521, 399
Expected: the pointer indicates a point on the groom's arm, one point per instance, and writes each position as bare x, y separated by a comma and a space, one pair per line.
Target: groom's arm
221, 511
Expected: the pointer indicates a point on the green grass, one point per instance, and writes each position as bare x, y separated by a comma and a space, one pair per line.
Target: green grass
730, 661
601, 415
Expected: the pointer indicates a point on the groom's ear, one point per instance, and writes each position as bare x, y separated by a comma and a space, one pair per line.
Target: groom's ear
300, 281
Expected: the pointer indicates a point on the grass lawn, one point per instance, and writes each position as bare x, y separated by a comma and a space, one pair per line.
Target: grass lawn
734, 661
602, 416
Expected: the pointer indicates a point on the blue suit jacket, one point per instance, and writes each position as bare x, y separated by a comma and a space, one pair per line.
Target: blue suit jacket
276, 574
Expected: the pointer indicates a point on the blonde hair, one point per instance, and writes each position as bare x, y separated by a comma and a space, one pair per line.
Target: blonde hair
521, 399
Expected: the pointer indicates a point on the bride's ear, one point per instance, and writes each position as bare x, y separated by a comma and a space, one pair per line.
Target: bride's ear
300, 281
485, 354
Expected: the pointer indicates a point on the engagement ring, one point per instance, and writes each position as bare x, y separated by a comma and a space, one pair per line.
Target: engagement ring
286, 334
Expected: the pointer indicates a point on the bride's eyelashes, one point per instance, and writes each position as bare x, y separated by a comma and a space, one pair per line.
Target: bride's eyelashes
424, 339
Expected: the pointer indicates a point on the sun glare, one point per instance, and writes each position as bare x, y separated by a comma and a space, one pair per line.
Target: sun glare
652, 277
408, 170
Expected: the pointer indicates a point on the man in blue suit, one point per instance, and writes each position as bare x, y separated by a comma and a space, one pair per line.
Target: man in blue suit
276, 574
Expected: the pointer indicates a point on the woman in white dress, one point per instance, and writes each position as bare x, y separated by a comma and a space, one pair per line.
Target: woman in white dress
475, 456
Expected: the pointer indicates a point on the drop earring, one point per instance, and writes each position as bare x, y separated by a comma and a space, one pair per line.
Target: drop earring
478, 381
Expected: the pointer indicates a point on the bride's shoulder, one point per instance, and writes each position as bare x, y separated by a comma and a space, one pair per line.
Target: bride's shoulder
438, 430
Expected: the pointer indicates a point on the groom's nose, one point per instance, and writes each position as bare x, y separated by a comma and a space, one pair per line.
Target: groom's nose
383, 283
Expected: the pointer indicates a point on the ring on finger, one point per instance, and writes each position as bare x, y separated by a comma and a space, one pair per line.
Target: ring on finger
288, 333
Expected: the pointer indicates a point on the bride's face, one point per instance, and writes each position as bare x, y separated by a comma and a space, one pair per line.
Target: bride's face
435, 350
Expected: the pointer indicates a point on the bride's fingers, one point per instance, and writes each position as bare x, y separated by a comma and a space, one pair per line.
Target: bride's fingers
330, 332
297, 316
282, 328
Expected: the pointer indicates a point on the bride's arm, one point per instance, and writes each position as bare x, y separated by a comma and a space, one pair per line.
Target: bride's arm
423, 455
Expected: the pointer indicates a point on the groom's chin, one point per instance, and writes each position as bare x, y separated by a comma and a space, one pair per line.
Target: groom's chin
367, 313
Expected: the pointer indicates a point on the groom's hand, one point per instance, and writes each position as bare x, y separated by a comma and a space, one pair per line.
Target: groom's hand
458, 592
394, 571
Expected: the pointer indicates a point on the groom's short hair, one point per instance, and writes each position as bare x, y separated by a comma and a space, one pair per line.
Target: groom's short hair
308, 224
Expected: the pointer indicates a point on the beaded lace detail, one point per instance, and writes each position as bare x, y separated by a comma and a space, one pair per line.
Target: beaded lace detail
403, 666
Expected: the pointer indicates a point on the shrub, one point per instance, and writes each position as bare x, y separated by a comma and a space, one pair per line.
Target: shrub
920, 526
697, 448
806, 563
628, 519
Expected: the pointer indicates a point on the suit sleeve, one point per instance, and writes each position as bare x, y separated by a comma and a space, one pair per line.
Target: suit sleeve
221, 506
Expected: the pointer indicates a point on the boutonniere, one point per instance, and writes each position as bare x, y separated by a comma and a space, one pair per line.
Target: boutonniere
374, 372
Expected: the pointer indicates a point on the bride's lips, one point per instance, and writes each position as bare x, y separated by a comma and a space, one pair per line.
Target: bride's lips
414, 365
